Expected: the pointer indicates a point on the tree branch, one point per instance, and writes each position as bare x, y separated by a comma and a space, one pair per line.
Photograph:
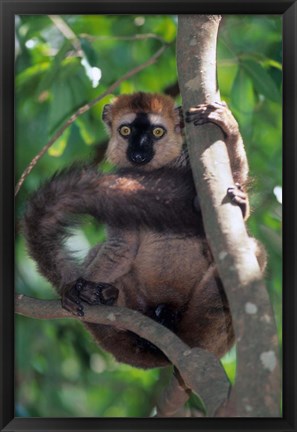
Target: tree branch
172, 400
66, 31
257, 387
200, 370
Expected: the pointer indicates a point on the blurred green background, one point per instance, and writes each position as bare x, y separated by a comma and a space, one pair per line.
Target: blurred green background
64, 62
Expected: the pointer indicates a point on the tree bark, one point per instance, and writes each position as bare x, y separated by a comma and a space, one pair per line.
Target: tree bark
172, 401
257, 389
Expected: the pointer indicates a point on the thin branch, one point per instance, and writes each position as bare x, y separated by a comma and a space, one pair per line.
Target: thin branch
66, 31
200, 370
84, 109
136, 37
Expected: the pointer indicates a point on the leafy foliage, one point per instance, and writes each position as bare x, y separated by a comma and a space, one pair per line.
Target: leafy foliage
59, 370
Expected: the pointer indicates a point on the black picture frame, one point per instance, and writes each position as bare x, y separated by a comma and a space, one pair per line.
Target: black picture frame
8, 10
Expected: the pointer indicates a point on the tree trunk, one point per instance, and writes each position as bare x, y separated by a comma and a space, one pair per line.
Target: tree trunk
257, 387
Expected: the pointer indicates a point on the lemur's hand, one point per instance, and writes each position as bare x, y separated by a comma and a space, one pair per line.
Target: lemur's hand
92, 293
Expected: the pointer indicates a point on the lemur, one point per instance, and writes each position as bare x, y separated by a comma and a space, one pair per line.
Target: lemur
156, 258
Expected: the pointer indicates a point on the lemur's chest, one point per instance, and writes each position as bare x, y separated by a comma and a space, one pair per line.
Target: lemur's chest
170, 263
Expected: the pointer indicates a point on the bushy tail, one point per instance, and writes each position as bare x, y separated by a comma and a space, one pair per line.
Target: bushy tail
50, 213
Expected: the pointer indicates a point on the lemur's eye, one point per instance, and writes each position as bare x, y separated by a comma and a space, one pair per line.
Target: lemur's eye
158, 132
125, 130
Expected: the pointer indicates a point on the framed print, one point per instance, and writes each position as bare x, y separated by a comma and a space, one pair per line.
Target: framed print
148, 284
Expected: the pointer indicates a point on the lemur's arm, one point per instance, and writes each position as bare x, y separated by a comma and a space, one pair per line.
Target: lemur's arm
219, 114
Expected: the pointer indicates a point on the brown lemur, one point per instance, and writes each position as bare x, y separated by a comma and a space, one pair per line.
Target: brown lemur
156, 259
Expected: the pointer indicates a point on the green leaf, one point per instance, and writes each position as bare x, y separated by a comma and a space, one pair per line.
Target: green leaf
229, 363
61, 104
31, 73
273, 63
262, 81
242, 93
57, 149
50, 76
167, 29
89, 51
226, 77
78, 89
86, 131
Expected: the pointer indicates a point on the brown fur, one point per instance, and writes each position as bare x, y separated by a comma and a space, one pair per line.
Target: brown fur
144, 102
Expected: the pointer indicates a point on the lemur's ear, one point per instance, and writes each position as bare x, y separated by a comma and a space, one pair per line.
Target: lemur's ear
106, 115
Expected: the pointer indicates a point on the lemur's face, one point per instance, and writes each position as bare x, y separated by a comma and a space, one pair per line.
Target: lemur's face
143, 139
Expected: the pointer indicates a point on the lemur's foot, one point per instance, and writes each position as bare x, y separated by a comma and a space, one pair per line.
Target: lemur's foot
217, 113
238, 197
92, 293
